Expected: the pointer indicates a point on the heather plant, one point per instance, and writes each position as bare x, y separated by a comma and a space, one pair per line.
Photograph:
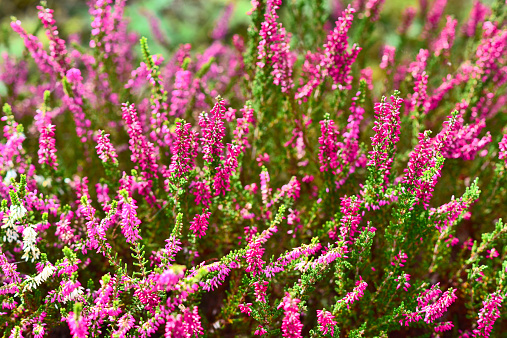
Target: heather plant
312, 176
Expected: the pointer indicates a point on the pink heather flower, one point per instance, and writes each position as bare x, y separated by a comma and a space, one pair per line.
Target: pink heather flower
445, 326
78, 325
260, 331
58, 51
503, 149
105, 149
400, 259
419, 65
351, 218
448, 213
373, 8
262, 159
403, 281
143, 152
36, 49
264, 183
357, 293
291, 325
433, 17
128, 218
464, 142
387, 57
74, 101
243, 127
492, 253
407, 19
222, 26
274, 48
326, 322
477, 15
125, 323
246, 308
184, 149
489, 313
422, 158
213, 131
366, 74
420, 100
328, 150
491, 53
387, 131
199, 224
429, 306
47, 150
260, 289
445, 41
225, 169
201, 191
335, 61
291, 256
181, 93
254, 257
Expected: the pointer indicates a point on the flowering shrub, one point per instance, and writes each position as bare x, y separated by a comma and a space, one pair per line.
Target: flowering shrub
307, 179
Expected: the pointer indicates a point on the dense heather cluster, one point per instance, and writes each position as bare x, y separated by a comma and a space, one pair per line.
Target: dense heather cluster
306, 178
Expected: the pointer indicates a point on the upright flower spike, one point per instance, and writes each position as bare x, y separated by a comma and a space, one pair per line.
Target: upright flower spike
489, 313
503, 149
334, 62
128, 218
105, 150
274, 48
199, 225
291, 324
47, 149
143, 151
184, 149
58, 51
213, 131
477, 15
433, 17
328, 150
326, 322
445, 40
387, 131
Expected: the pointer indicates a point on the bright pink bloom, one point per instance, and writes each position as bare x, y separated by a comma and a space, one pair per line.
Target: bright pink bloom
143, 152
489, 313
184, 149
274, 48
213, 131
355, 294
78, 325
105, 149
291, 324
260, 289
128, 218
326, 322
387, 131
503, 149
246, 308
199, 225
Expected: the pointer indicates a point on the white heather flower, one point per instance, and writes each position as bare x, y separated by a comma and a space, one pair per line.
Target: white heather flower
29, 241
74, 294
17, 211
34, 282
